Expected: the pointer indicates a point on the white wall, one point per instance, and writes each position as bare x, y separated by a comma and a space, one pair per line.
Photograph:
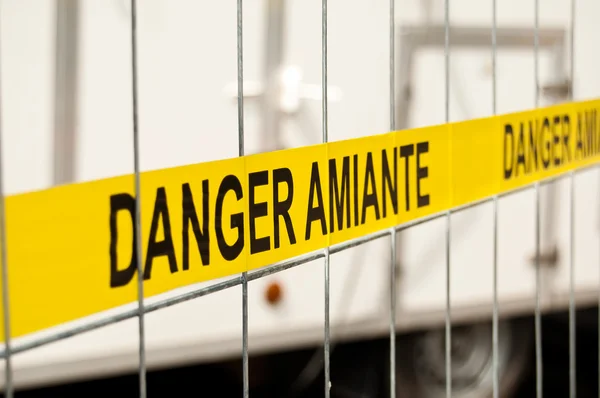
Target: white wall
187, 55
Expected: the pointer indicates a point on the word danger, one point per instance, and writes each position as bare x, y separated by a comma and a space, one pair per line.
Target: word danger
359, 188
550, 142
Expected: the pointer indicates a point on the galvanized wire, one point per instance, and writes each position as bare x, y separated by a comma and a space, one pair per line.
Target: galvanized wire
240, 109
254, 275
495, 381
538, 311
392, 65
138, 217
572, 320
449, 213
327, 336
572, 308
8, 389
7, 353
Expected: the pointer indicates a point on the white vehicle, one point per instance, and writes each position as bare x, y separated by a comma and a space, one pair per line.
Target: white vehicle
67, 116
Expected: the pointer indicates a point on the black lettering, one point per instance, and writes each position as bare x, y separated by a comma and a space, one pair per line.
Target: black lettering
596, 131
520, 151
555, 140
545, 154
229, 252
532, 154
256, 210
370, 199
566, 130
590, 127
422, 172
118, 202
315, 213
388, 182
336, 198
165, 246
190, 217
508, 165
355, 179
579, 152
281, 208
406, 151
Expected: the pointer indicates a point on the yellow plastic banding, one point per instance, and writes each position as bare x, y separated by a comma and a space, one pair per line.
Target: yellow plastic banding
70, 247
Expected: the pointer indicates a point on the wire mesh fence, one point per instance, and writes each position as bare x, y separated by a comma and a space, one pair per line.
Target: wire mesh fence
391, 233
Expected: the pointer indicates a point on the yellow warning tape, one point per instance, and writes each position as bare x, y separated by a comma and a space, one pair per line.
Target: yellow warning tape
70, 248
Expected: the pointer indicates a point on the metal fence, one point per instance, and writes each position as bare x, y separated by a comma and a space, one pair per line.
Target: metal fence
144, 308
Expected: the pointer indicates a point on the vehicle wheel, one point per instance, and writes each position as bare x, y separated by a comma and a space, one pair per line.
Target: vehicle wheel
421, 364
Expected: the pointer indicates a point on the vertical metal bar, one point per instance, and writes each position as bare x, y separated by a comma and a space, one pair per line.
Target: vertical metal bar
65, 95
538, 315
326, 342
448, 314
572, 315
138, 217
572, 346
495, 382
245, 366
8, 386
240, 76
393, 229
449, 213
271, 114
240, 103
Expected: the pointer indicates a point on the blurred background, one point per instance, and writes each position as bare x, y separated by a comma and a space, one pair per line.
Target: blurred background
66, 104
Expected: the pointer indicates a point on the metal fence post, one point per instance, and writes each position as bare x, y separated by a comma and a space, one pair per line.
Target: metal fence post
9, 388
448, 213
327, 337
240, 108
572, 305
495, 310
138, 217
538, 314
393, 259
